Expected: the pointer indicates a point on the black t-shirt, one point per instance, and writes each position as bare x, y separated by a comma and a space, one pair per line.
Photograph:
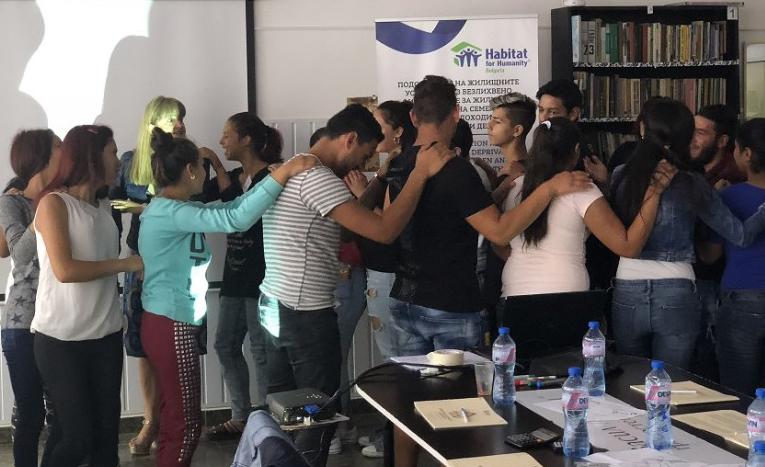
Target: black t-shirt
437, 262
245, 264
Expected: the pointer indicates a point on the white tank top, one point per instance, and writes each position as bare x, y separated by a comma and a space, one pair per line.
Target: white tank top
81, 310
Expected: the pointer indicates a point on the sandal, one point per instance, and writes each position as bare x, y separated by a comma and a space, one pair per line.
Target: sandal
142, 444
231, 429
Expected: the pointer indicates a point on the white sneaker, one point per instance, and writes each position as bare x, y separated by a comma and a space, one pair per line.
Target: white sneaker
372, 451
336, 446
365, 441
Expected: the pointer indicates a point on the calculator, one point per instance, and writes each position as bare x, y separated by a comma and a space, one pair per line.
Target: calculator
536, 438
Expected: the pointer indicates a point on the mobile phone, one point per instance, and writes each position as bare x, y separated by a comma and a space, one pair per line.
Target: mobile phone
538, 437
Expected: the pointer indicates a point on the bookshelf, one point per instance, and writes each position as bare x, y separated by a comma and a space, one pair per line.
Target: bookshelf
620, 56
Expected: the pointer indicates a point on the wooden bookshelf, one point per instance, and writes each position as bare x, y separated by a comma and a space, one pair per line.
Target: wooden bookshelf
707, 29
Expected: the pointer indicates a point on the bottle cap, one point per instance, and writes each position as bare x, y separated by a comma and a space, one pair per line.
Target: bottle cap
504, 331
575, 371
760, 393
657, 364
759, 446
594, 325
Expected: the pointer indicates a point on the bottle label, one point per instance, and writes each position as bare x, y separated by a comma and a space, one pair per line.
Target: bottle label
659, 393
593, 348
504, 356
575, 400
755, 424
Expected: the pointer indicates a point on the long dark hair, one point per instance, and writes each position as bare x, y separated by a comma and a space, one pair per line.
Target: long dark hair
752, 136
396, 114
170, 157
668, 128
553, 151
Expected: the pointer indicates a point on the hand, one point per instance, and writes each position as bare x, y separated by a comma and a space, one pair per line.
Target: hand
507, 184
662, 177
207, 153
596, 168
13, 191
293, 167
513, 170
722, 184
431, 160
569, 182
127, 205
132, 264
490, 172
356, 182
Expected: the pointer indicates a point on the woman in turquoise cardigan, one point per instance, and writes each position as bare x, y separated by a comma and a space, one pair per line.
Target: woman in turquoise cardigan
176, 255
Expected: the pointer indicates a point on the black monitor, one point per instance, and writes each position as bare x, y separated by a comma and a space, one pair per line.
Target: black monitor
546, 324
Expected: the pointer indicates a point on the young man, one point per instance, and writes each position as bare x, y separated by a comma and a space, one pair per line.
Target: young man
301, 237
712, 148
435, 300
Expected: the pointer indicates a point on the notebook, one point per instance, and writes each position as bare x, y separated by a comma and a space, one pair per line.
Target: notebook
689, 393
445, 414
518, 459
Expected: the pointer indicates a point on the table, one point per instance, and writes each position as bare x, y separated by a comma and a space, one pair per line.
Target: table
392, 391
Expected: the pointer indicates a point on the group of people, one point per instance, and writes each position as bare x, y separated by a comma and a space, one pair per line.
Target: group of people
311, 243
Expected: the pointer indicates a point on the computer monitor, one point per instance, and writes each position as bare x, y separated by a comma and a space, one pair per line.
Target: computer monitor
546, 324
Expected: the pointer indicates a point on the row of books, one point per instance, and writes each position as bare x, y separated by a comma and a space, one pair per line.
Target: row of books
596, 42
616, 98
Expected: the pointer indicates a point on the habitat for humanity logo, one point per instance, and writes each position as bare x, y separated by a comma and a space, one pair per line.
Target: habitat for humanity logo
467, 54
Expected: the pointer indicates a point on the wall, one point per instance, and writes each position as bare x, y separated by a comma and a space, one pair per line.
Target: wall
312, 54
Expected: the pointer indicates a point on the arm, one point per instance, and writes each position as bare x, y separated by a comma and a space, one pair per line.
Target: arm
604, 224
51, 223
18, 237
501, 228
221, 177
374, 195
503, 252
709, 252
4, 251
387, 226
719, 218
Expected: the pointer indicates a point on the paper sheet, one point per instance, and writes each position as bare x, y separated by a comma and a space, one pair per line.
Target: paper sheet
600, 410
641, 458
519, 459
728, 424
447, 413
703, 394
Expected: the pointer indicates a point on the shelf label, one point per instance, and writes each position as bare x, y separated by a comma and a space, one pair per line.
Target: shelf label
733, 13
650, 9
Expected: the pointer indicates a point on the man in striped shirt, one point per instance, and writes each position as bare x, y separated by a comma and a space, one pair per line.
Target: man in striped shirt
301, 238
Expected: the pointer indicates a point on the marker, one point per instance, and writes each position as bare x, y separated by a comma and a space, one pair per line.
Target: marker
683, 391
464, 415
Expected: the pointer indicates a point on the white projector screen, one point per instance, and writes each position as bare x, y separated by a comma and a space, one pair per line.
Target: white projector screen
71, 62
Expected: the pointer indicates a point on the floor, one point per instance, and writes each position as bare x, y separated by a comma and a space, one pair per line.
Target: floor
220, 454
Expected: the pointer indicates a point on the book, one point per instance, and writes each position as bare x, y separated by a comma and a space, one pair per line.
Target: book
728, 424
446, 414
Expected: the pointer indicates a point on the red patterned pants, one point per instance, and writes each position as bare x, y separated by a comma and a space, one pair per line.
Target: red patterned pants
171, 347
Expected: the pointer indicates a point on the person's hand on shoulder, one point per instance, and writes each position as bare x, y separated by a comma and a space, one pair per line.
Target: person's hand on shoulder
569, 182
596, 168
294, 166
431, 159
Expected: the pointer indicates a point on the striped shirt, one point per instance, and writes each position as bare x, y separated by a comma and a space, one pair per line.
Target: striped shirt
301, 242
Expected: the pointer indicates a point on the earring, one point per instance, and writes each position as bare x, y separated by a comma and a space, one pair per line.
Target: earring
193, 177
397, 140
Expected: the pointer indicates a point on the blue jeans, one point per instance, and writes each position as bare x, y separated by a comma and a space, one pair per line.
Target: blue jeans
351, 300
29, 412
658, 319
420, 330
704, 362
378, 306
238, 317
741, 339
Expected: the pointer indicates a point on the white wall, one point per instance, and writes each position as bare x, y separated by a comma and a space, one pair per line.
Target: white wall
312, 54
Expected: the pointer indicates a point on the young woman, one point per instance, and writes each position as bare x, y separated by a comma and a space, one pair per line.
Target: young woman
130, 194
550, 256
655, 310
741, 321
249, 141
34, 158
77, 321
172, 238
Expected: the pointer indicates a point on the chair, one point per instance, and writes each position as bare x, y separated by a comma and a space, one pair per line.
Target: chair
264, 444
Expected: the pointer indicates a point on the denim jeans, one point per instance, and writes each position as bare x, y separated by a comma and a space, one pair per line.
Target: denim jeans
704, 361
351, 300
378, 306
420, 330
741, 339
29, 412
238, 317
658, 319
303, 351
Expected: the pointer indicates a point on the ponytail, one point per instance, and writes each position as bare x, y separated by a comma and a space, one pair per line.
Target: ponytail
170, 156
266, 142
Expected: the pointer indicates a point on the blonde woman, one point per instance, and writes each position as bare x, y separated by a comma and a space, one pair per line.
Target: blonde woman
130, 194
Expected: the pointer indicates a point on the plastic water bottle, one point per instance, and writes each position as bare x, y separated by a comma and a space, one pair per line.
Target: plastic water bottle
658, 393
576, 440
594, 352
757, 455
503, 355
755, 419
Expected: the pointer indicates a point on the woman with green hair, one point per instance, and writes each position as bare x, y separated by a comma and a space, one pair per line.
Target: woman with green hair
130, 194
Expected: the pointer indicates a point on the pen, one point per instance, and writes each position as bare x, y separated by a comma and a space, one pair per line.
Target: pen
464, 415
683, 391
